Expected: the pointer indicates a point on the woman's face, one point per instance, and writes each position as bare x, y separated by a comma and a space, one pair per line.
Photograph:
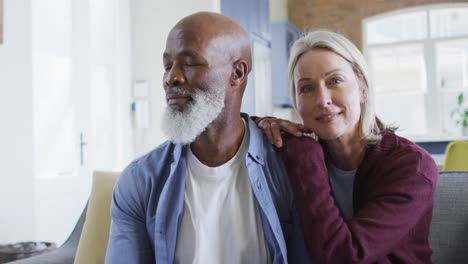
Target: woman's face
328, 95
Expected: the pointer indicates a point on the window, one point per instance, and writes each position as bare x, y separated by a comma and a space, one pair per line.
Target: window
1, 21
79, 53
418, 58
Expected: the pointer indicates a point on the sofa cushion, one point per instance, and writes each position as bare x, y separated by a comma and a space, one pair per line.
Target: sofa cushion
450, 218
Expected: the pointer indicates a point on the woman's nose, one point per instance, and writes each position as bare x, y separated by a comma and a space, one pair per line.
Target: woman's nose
323, 97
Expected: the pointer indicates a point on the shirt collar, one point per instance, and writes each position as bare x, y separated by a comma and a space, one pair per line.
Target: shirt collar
256, 149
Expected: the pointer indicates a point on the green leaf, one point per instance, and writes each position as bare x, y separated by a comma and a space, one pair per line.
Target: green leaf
460, 99
465, 118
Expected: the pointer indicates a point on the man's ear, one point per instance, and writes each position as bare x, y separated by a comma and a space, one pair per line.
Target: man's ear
239, 72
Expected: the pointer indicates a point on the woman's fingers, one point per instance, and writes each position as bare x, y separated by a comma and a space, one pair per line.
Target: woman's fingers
273, 127
276, 134
291, 127
265, 125
303, 129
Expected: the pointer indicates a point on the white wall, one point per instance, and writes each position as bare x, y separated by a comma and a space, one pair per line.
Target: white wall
151, 22
16, 131
123, 69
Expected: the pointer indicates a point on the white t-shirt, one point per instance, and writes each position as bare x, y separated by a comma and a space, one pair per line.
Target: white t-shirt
221, 222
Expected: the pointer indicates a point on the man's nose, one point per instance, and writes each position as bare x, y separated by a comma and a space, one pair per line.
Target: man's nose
174, 77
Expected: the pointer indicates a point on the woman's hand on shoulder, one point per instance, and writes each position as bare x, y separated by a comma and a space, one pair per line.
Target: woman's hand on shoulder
273, 128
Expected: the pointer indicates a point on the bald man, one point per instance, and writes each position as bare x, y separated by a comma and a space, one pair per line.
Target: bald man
216, 191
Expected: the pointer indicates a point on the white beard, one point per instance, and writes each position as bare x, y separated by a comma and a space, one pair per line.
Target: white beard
184, 126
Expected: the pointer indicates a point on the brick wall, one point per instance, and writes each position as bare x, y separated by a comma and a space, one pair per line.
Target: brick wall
345, 16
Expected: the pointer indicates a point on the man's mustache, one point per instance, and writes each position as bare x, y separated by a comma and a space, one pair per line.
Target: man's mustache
179, 91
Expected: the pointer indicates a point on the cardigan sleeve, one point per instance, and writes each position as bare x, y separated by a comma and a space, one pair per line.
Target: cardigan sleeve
404, 196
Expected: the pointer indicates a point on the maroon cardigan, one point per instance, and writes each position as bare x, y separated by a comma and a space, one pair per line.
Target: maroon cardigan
392, 199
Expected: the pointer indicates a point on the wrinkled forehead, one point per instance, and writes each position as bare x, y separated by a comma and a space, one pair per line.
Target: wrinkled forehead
179, 36
189, 38
206, 44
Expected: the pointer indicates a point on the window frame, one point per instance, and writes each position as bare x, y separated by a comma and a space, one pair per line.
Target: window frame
435, 124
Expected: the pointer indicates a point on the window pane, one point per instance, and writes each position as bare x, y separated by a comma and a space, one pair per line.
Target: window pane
397, 28
449, 22
398, 69
408, 112
449, 102
399, 78
452, 63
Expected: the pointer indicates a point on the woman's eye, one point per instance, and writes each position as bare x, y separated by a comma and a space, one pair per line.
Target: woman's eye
306, 88
336, 81
167, 67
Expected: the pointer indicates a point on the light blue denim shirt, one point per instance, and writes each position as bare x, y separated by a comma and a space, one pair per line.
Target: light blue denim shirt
148, 199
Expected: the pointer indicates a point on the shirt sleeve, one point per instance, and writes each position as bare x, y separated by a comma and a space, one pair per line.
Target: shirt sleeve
297, 252
376, 228
128, 240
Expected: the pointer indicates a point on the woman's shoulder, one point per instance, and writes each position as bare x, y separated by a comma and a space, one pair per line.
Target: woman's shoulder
397, 152
398, 145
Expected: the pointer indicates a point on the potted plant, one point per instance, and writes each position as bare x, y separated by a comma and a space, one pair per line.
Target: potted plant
461, 114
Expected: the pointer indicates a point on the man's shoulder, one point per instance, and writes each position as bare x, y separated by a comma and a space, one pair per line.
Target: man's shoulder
259, 146
157, 155
153, 165
142, 182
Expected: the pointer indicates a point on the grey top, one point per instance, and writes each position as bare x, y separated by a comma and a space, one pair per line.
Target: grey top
341, 182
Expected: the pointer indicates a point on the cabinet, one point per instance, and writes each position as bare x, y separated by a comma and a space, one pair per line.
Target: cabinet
283, 35
254, 16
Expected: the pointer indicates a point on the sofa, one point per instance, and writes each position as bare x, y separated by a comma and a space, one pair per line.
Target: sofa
88, 241
449, 225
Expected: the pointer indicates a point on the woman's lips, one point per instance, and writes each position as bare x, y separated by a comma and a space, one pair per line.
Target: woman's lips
327, 118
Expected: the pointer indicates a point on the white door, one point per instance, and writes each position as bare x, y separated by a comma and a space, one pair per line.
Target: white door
73, 76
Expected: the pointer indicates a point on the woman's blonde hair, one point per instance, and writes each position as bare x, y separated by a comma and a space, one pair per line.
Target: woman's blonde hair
371, 126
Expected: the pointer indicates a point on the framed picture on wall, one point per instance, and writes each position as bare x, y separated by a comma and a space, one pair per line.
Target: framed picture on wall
1, 21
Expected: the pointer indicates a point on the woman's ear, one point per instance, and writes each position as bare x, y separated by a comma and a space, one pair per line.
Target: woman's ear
363, 92
239, 72
363, 86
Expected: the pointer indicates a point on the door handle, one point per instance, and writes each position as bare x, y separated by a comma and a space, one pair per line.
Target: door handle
82, 145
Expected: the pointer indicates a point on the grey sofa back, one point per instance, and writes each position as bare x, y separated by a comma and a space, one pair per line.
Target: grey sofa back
65, 254
449, 228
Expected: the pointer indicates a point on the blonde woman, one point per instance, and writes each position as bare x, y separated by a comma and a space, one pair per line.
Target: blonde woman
364, 194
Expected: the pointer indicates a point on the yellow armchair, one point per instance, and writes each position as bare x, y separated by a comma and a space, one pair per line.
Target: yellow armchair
95, 234
456, 156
